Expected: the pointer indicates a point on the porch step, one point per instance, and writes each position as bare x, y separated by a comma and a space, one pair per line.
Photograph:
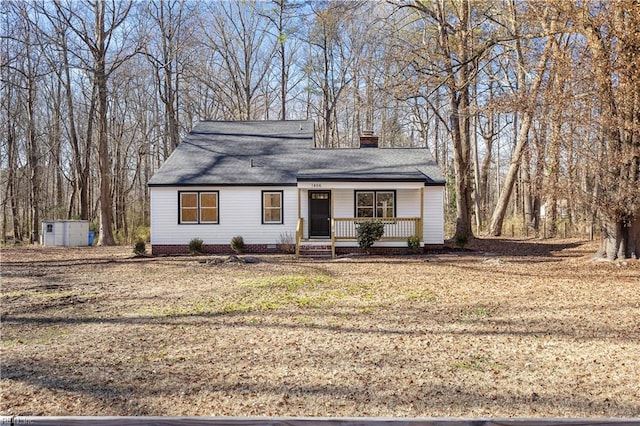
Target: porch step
315, 250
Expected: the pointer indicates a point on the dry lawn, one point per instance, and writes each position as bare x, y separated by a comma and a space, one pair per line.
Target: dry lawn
509, 328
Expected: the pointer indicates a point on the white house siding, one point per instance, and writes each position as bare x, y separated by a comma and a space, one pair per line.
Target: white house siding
433, 226
343, 200
240, 213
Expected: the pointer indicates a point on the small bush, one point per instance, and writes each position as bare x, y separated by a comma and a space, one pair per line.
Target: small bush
120, 236
287, 243
142, 233
237, 244
196, 246
413, 242
461, 240
140, 249
368, 233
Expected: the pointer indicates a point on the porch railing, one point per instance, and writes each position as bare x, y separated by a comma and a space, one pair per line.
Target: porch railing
395, 228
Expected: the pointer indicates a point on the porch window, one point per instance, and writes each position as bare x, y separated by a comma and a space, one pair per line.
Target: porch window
375, 204
198, 207
272, 207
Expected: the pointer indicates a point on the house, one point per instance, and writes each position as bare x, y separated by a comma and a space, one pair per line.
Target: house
267, 182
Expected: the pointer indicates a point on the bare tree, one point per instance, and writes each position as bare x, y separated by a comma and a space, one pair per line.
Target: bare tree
10, 100
282, 18
56, 33
97, 28
528, 94
28, 69
244, 50
612, 38
166, 49
330, 63
453, 43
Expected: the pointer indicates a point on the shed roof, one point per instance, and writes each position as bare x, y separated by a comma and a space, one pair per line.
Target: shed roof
265, 153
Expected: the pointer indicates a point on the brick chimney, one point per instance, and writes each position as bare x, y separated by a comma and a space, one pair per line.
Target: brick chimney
367, 140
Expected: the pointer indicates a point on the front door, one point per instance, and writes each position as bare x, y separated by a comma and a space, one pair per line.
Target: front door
319, 214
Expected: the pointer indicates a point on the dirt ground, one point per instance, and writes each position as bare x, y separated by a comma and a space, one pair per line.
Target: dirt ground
522, 328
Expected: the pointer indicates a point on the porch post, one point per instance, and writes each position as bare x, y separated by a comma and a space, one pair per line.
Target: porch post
331, 206
421, 224
332, 227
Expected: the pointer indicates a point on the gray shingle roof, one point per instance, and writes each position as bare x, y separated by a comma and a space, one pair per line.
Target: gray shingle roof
282, 153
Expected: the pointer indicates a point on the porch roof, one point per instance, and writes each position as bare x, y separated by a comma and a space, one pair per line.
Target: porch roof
385, 175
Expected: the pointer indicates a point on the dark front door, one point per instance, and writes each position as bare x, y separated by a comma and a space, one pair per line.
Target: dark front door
319, 214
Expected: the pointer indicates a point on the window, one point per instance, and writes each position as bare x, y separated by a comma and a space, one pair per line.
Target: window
365, 204
189, 207
198, 207
272, 207
375, 204
319, 195
208, 207
49, 227
385, 204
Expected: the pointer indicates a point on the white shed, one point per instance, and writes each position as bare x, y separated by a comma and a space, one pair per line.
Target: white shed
68, 233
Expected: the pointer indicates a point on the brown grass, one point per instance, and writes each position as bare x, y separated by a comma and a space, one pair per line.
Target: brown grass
530, 329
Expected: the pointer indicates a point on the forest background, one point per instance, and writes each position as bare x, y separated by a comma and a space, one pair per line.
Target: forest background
530, 108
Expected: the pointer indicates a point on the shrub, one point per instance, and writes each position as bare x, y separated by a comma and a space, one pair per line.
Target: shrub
196, 246
140, 248
413, 242
287, 243
120, 236
142, 233
237, 244
461, 240
368, 233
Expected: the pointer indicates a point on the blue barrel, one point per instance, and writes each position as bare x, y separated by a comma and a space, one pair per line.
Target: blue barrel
91, 237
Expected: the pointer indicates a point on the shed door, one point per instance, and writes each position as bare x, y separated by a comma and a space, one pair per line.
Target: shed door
319, 214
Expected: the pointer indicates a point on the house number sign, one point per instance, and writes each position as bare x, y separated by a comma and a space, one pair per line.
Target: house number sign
316, 185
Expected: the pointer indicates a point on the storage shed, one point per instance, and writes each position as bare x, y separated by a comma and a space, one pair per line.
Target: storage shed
68, 233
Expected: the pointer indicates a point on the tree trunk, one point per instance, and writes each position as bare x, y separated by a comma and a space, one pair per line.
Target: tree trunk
284, 72
32, 142
497, 219
82, 168
459, 88
633, 243
12, 154
620, 239
104, 160
462, 167
527, 192
476, 164
553, 169
553, 156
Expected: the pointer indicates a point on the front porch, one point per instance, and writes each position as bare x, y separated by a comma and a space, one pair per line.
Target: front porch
396, 229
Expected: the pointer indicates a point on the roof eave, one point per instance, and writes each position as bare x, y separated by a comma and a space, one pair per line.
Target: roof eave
191, 185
